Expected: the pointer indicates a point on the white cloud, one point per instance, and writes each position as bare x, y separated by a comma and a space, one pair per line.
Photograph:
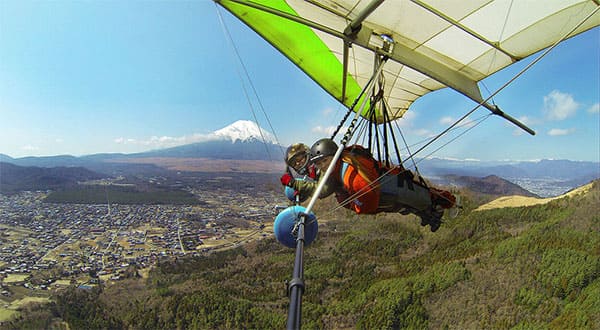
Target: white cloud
30, 148
525, 120
407, 119
423, 132
59, 140
327, 111
517, 132
447, 120
467, 122
560, 131
559, 106
166, 141
528, 121
594, 108
327, 130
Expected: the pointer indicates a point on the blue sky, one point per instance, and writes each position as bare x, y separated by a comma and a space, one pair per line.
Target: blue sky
84, 77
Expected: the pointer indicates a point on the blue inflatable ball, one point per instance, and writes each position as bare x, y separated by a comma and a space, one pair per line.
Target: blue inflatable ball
290, 193
285, 222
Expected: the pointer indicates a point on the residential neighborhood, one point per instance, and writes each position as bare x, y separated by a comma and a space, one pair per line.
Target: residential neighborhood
87, 243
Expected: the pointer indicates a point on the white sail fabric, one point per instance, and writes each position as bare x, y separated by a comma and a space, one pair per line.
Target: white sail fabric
470, 38
437, 43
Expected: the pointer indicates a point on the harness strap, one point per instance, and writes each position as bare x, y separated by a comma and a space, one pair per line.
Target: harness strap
343, 171
402, 177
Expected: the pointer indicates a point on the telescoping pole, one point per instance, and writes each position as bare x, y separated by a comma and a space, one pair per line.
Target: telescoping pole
296, 285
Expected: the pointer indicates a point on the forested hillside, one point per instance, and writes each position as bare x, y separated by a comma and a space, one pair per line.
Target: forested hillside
512, 268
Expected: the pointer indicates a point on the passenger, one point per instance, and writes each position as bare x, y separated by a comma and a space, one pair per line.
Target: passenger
357, 185
297, 157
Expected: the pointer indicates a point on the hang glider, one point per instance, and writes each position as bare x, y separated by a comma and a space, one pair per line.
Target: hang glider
392, 52
431, 44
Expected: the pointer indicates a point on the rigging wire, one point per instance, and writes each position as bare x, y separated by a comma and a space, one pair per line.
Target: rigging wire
494, 50
407, 148
452, 127
467, 123
488, 91
380, 180
482, 119
247, 75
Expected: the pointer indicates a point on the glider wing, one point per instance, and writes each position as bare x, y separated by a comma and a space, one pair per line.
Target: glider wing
434, 43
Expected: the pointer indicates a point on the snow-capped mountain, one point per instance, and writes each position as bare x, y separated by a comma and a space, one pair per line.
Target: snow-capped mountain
245, 131
240, 140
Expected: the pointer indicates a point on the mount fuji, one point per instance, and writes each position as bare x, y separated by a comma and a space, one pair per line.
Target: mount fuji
245, 131
241, 146
242, 140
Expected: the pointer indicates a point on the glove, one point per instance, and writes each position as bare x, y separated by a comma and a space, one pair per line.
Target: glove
287, 180
312, 172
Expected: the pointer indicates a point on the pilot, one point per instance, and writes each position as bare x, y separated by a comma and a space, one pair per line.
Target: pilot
358, 185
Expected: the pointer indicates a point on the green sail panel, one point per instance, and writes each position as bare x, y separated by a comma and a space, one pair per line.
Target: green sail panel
300, 44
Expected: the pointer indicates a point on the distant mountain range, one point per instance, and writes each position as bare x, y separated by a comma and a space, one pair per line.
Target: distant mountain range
544, 177
490, 185
555, 169
245, 150
245, 142
242, 140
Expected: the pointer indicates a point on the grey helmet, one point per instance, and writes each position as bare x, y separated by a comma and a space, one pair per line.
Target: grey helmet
322, 148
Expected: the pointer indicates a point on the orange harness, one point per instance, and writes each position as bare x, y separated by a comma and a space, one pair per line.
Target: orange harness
357, 174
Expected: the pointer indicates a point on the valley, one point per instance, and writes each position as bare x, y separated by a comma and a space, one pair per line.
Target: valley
109, 222
48, 246
529, 267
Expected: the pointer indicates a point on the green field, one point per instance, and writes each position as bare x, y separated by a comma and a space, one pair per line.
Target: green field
7, 314
120, 195
14, 278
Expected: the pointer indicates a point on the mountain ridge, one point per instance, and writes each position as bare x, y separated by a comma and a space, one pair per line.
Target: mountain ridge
523, 201
14, 178
490, 185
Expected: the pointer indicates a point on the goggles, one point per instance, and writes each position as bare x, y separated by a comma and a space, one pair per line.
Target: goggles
299, 162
